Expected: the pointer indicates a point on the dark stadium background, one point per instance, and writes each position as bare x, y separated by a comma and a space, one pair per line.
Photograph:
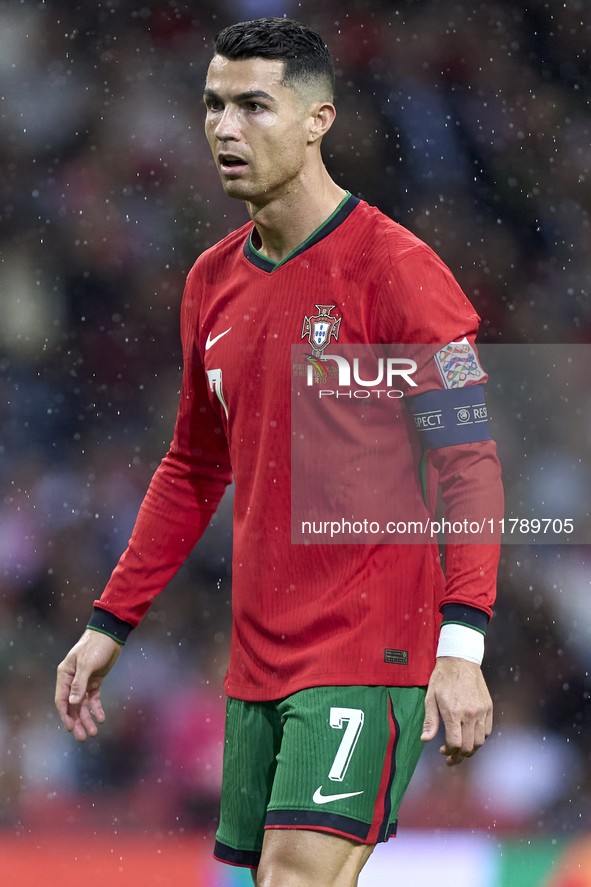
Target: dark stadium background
467, 122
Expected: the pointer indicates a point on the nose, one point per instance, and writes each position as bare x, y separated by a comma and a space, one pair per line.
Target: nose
227, 126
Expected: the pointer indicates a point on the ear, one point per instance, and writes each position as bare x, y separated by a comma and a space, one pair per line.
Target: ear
321, 118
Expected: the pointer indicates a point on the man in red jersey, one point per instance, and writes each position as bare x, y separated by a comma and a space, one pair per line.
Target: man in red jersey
333, 646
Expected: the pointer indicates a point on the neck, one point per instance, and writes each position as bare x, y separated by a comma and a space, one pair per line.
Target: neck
288, 219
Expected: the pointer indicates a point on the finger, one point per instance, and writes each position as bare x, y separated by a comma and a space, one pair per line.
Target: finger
453, 759
79, 685
87, 721
79, 731
488, 721
67, 721
84, 725
472, 737
453, 733
468, 745
431, 722
452, 748
95, 704
61, 702
479, 734
78, 718
482, 725
65, 675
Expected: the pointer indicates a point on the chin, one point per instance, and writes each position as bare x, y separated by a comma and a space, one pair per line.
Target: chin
237, 189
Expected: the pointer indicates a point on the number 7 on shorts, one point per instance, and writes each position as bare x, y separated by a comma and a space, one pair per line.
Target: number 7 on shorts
354, 718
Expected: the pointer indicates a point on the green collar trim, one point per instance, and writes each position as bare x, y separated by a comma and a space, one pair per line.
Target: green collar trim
336, 218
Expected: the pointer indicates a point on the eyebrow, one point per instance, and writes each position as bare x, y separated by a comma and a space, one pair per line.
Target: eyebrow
241, 97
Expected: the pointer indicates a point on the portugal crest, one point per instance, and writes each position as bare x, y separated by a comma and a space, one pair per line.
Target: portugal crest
321, 329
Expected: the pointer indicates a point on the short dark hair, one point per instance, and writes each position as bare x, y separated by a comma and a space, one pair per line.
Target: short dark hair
303, 52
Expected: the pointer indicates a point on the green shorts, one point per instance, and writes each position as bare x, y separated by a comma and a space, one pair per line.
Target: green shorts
331, 759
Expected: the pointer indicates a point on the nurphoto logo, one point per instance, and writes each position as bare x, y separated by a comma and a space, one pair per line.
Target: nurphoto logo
390, 367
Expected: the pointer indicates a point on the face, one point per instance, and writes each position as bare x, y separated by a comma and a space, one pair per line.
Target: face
258, 129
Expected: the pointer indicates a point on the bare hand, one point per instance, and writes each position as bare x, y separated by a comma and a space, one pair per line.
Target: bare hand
458, 693
79, 679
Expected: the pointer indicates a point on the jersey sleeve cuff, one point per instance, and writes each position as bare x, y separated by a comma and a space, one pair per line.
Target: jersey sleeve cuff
462, 614
105, 622
461, 642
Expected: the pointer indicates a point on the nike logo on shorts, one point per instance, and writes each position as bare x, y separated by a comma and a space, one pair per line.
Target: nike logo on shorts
211, 341
326, 799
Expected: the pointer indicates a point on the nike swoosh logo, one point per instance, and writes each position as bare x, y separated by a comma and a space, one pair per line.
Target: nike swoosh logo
326, 799
211, 341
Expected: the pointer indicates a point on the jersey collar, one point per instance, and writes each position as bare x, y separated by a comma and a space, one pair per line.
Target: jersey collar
344, 209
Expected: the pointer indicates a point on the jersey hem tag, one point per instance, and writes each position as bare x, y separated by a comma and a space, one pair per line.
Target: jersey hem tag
396, 657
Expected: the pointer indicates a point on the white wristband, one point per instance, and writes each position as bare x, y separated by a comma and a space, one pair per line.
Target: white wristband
462, 642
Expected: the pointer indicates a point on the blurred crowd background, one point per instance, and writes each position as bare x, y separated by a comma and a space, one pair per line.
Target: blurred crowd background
469, 123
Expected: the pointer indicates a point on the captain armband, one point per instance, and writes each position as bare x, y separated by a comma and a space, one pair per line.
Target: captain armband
444, 417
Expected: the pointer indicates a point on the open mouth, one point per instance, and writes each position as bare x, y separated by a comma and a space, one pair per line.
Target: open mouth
230, 163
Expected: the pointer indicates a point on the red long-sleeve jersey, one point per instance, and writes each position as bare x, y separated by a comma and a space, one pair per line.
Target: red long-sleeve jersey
306, 615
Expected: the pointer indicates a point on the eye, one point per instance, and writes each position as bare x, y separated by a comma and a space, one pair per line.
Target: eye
254, 106
214, 105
